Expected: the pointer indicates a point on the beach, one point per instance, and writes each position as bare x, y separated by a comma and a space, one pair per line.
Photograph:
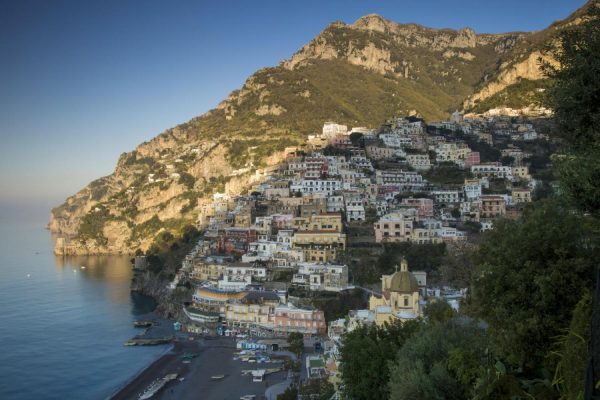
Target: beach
215, 356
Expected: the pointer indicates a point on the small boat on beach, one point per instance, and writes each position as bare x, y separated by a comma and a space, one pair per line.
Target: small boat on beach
141, 323
156, 386
149, 342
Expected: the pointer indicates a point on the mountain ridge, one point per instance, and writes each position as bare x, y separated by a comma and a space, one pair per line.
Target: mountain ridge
358, 74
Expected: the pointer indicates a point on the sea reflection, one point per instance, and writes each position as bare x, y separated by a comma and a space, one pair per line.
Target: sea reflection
115, 270
71, 347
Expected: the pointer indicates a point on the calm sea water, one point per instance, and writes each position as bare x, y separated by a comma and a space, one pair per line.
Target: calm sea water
62, 328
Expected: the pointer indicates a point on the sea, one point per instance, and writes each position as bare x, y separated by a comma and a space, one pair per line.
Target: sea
63, 320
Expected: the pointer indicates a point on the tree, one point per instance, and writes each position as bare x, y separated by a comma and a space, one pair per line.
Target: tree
187, 180
573, 354
532, 273
507, 160
455, 213
575, 99
365, 356
438, 312
319, 388
356, 139
291, 393
296, 341
441, 361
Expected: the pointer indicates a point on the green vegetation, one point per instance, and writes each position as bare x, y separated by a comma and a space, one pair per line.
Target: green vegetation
438, 312
296, 342
447, 173
421, 257
291, 393
339, 306
526, 332
187, 180
146, 229
92, 225
573, 351
440, 361
319, 388
257, 150
542, 263
366, 354
574, 97
522, 94
168, 251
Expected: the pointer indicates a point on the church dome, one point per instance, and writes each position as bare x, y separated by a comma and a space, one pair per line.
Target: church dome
403, 281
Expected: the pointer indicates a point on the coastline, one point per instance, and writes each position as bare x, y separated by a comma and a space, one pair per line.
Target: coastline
213, 356
169, 361
140, 372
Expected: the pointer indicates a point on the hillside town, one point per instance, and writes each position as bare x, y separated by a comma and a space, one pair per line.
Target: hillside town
264, 255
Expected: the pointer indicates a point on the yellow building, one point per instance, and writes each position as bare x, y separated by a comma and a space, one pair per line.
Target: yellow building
320, 255
330, 222
320, 238
400, 297
521, 196
207, 271
521, 172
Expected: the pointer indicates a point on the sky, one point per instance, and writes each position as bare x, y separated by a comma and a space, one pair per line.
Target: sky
83, 81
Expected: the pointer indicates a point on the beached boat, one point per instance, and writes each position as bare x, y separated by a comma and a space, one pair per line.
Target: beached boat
143, 323
156, 386
149, 342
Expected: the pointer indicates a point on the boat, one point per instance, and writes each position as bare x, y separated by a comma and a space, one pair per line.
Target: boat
156, 386
217, 377
149, 342
143, 323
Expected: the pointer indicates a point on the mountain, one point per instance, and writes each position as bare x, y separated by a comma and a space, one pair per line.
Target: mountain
358, 74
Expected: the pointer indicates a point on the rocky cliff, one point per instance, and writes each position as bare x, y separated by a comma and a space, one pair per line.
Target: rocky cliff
358, 74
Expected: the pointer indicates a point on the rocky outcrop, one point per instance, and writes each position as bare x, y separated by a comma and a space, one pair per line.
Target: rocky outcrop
530, 68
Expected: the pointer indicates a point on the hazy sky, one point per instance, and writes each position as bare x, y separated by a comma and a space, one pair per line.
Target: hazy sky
83, 81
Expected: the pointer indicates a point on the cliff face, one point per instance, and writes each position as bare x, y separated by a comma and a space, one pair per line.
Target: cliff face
357, 74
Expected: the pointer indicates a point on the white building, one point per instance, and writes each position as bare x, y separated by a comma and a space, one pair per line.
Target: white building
420, 162
324, 277
492, 170
472, 189
328, 186
446, 196
331, 129
335, 204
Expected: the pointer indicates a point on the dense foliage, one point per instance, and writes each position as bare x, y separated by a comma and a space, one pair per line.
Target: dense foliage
366, 354
533, 272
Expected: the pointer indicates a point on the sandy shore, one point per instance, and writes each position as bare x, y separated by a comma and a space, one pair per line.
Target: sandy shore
215, 358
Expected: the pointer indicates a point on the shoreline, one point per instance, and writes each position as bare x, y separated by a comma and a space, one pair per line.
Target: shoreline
213, 356
140, 372
166, 361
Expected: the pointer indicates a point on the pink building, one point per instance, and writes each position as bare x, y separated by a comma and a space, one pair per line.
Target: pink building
424, 206
291, 319
341, 141
472, 158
